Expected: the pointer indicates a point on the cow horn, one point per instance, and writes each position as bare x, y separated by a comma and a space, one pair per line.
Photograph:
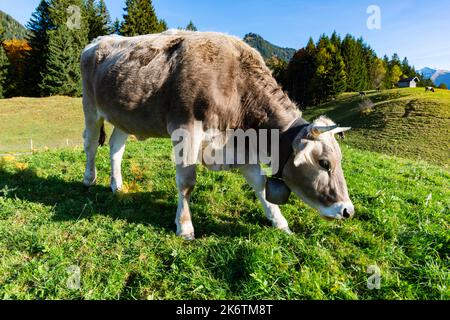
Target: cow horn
340, 130
318, 130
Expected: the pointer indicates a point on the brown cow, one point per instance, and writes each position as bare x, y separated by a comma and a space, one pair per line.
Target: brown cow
156, 85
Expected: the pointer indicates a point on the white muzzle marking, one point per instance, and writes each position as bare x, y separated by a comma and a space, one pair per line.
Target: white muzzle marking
338, 211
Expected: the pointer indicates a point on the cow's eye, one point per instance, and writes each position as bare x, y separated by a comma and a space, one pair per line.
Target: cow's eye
325, 164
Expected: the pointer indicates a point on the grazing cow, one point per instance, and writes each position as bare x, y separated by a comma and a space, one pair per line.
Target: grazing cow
362, 94
155, 85
429, 89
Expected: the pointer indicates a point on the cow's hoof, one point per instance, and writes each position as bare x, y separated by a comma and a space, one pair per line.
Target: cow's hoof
116, 187
87, 186
287, 230
89, 183
116, 190
188, 237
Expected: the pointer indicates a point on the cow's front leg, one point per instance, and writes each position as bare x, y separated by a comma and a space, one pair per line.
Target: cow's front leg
257, 181
186, 177
117, 148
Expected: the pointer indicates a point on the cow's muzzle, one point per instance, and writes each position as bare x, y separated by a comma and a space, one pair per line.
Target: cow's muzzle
337, 211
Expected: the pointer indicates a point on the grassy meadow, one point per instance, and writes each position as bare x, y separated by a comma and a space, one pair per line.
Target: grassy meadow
125, 245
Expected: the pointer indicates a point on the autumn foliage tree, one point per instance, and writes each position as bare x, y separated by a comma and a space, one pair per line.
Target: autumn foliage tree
17, 52
278, 67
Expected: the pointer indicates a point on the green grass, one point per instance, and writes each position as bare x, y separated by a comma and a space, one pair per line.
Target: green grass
408, 123
126, 248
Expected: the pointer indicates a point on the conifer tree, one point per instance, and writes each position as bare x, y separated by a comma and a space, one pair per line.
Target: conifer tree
324, 67
338, 76
72, 14
356, 69
330, 72
365, 54
408, 70
4, 66
386, 82
162, 25
336, 41
39, 24
395, 60
140, 18
62, 75
349, 52
66, 42
191, 26
300, 75
98, 19
116, 26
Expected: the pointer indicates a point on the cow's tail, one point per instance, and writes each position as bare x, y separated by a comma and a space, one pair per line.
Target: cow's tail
102, 139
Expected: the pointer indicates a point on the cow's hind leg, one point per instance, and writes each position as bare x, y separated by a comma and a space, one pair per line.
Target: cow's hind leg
117, 148
257, 181
93, 136
186, 177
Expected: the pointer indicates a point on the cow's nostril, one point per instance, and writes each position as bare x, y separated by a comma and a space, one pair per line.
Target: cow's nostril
346, 214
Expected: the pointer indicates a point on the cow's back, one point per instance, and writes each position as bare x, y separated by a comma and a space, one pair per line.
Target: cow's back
147, 84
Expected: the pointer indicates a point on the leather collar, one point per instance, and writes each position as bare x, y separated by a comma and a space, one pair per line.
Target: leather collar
285, 144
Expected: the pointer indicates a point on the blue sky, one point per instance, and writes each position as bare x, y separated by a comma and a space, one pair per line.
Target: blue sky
417, 29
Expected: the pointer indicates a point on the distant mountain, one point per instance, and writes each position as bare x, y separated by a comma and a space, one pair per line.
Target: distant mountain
437, 76
267, 49
12, 29
427, 72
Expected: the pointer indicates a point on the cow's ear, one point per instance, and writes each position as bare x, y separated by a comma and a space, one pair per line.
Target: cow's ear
302, 151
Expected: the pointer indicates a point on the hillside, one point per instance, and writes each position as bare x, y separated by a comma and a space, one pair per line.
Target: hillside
12, 28
268, 49
125, 246
408, 123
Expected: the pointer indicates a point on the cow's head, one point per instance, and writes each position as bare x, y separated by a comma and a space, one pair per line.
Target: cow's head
314, 171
